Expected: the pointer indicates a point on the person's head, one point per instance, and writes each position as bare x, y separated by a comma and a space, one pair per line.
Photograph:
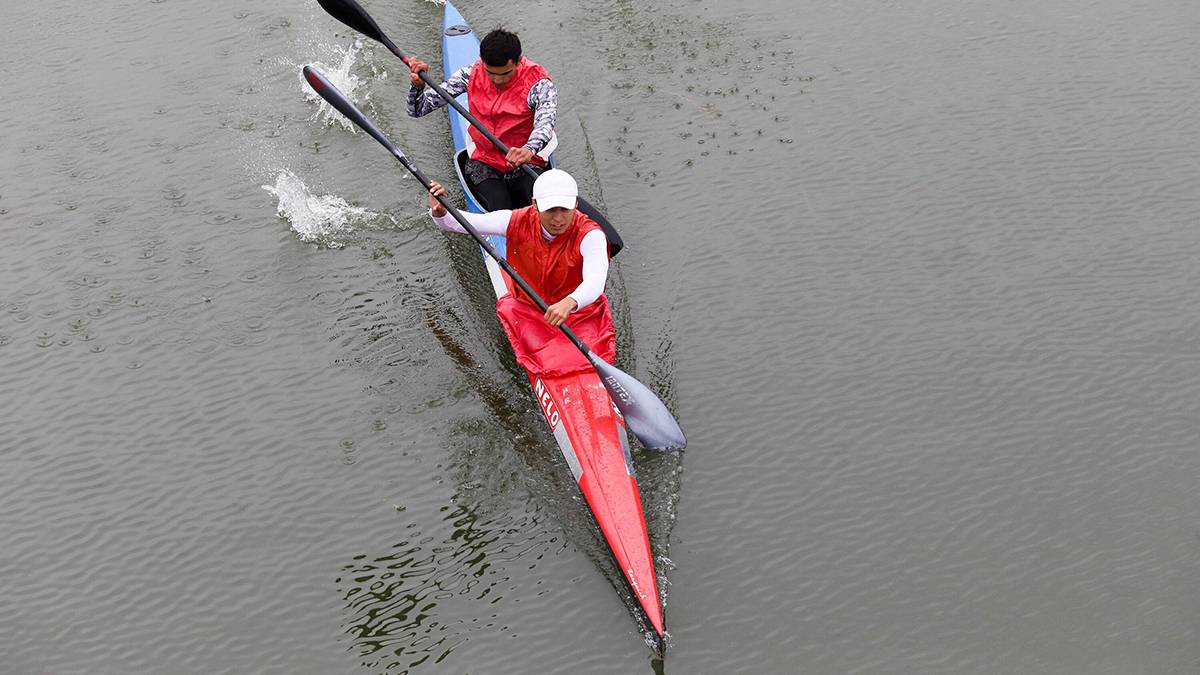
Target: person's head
555, 195
500, 52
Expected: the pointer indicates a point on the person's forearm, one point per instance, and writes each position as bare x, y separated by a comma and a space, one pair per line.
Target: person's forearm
425, 100
421, 102
543, 100
594, 248
495, 222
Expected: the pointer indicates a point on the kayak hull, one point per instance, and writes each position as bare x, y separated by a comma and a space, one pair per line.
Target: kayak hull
586, 424
591, 434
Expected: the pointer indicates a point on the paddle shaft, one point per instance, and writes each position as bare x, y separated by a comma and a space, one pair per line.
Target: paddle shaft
644, 413
462, 110
615, 243
353, 15
343, 105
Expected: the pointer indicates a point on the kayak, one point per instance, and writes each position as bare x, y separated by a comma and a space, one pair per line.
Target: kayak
586, 424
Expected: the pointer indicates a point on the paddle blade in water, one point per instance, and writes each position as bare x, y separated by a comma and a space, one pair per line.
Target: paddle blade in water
645, 414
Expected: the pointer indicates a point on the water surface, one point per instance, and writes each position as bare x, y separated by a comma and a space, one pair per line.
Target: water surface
918, 280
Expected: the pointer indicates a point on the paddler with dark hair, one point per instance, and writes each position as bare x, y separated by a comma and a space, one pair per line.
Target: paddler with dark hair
515, 99
561, 252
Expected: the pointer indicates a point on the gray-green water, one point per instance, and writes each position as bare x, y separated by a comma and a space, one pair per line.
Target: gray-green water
919, 280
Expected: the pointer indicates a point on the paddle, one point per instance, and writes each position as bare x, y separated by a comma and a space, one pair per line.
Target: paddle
353, 15
645, 415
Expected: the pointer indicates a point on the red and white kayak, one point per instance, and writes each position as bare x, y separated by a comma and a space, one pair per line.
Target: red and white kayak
586, 424
591, 435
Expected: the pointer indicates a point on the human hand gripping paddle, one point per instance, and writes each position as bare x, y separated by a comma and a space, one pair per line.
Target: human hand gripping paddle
353, 15
645, 414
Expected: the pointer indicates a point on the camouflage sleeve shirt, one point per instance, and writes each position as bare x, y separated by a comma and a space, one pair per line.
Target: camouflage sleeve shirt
542, 100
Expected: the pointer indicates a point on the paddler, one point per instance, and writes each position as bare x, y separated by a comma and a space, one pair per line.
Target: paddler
561, 252
515, 99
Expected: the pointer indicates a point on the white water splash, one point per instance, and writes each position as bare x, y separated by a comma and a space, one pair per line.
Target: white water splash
322, 219
346, 82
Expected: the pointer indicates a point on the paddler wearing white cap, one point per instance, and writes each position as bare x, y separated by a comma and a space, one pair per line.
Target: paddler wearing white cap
561, 252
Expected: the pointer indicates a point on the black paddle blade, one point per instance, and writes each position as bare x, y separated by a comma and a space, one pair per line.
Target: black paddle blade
615, 244
353, 15
645, 414
338, 100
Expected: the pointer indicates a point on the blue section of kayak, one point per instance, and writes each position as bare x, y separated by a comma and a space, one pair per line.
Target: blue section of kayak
458, 51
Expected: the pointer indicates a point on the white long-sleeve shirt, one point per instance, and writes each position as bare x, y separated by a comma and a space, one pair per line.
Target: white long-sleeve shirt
593, 247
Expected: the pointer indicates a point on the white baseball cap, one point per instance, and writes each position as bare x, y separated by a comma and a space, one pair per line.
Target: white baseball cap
555, 188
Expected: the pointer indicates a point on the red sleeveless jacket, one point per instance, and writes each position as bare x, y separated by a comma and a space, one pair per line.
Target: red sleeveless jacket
504, 111
553, 268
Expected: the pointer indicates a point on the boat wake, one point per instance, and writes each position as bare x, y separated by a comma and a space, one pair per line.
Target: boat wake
324, 219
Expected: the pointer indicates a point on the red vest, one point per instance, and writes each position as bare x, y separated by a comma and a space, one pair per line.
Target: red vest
553, 268
505, 112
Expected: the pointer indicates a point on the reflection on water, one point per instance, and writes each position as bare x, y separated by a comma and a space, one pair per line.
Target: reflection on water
508, 473
392, 599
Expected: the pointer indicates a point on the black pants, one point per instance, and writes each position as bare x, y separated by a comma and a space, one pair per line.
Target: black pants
512, 190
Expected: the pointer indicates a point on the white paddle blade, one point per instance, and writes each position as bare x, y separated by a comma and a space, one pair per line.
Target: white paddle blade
645, 414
